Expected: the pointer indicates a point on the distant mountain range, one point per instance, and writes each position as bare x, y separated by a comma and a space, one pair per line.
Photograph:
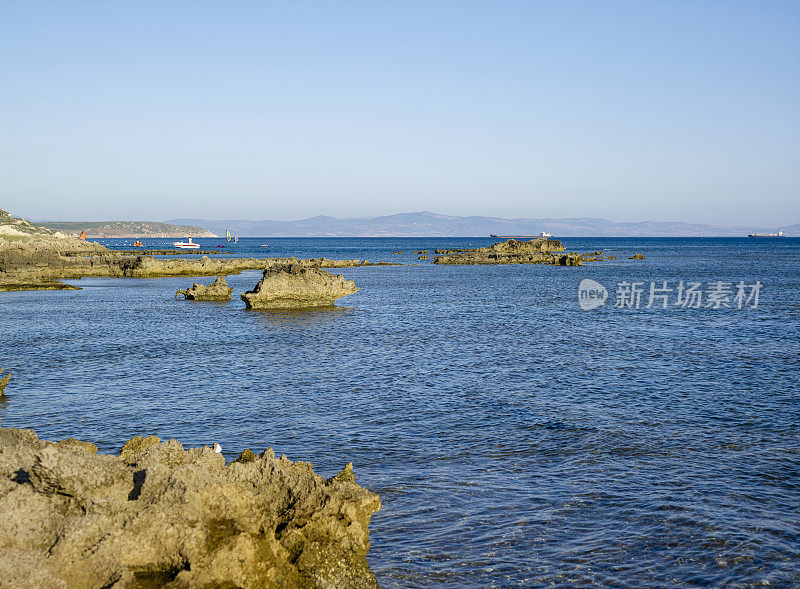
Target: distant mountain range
426, 224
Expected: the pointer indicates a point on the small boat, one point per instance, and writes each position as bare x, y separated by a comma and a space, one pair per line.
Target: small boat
264, 245
137, 243
186, 245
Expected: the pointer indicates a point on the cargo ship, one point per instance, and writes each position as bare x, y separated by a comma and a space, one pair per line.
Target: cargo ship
542, 235
778, 234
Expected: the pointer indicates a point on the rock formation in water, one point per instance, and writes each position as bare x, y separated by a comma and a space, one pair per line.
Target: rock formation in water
293, 286
637, 257
535, 251
161, 516
3, 383
216, 291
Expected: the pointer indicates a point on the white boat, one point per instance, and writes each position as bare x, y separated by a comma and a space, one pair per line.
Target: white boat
187, 245
545, 234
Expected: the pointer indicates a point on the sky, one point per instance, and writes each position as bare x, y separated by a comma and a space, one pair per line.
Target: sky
631, 111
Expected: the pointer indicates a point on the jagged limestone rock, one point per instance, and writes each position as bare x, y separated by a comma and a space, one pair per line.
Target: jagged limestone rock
247, 455
88, 446
3, 383
159, 515
216, 291
292, 286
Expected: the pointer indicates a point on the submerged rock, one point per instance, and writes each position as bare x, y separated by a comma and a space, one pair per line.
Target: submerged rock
292, 286
216, 291
159, 515
535, 251
3, 383
637, 257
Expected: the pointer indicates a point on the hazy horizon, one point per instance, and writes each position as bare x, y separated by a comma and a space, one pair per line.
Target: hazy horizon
177, 219
670, 112
181, 218
428, 224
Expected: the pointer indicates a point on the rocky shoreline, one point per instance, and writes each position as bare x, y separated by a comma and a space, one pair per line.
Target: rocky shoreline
158, 515
41, 263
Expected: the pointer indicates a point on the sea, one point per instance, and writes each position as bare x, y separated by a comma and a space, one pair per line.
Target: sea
515, 437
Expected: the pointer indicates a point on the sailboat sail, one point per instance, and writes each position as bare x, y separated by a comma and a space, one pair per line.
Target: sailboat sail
229, 236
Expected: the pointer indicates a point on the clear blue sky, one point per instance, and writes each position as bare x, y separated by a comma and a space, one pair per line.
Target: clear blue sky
673, 110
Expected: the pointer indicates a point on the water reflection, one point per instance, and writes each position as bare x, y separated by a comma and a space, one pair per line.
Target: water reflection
295, 317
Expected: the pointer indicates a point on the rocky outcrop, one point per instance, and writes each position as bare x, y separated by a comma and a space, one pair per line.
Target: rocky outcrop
637, 257
161, 516
216, 291
3, 383
535, 251
293, 286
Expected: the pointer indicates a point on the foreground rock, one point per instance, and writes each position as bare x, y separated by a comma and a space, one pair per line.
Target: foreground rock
158, 515
535, 251
293, 286
216, 291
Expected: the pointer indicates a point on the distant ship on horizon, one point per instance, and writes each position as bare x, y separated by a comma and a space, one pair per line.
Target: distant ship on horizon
778, 234
542, 235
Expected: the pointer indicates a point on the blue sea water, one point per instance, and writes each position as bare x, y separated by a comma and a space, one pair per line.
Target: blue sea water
514, 438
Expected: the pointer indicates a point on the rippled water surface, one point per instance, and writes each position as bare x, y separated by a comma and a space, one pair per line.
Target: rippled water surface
514, 439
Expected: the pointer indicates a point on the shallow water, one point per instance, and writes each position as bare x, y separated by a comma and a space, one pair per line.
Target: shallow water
514, 439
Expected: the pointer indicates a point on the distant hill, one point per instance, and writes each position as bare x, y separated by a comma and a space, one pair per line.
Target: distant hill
13, 227
426, 224
129, 229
